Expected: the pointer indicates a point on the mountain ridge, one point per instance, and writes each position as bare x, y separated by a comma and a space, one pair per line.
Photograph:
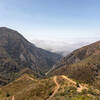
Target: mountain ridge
82, 65
17, 53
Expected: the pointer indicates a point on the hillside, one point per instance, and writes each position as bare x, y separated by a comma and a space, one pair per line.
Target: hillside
82, 65
17, 54
28, 87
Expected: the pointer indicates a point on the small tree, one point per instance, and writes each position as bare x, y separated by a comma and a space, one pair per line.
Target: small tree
7, 94
77, 84
50, 93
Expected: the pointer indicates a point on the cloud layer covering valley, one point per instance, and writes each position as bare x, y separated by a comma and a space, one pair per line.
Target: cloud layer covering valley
61, 47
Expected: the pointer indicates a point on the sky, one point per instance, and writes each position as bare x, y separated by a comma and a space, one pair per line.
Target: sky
52, 19
56, 25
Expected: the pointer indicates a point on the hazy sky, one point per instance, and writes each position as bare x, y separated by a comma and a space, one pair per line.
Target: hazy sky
52, 19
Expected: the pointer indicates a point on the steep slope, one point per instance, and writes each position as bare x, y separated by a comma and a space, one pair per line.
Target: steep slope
16, 54
82, 65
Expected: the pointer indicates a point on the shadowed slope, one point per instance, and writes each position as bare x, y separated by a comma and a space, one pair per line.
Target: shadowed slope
17, 54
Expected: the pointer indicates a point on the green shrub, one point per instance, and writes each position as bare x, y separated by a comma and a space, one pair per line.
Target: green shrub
77, 84
50, 93
84, 91
7, 95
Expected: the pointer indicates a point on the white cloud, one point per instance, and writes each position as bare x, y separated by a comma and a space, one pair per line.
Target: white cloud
62, 47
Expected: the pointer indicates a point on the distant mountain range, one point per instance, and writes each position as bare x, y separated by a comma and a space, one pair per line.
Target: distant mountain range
18, 55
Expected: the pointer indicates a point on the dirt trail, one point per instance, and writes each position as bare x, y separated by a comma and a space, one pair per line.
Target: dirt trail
80, 88
13, 98
70, 80
30, 77
56, 89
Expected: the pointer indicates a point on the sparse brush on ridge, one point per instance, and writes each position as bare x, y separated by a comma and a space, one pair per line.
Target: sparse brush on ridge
83, 65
